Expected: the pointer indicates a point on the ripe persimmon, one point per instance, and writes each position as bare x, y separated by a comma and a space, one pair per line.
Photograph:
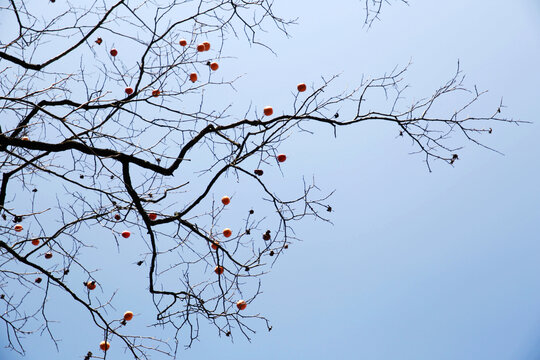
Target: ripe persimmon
129, 90
200, 47
193, 77
126, 234
215, 245
114, 52
183, 42
241, 304
35, 242
155, 93
104, 345
206, 45
99, 41
128, 315
91, 285
152, 216
301, 87
227, 232
281, 157
48, 255
18, 228
226, 200
219, 270
268, 110
25, 138
214, 66
258, 172
117, 217
38, 280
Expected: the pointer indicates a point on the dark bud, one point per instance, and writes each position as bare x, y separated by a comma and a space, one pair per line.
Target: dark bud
2, 296
123, 322
66, 271
490, 130
248, 231
336, 115
139, 263
401, 133
329, 208
247, 268
271, 252
258, 172
85, 283
266, 237
251, 212
112, 177
286, 246
17, 219
269, 328
268, 232
38, 280
81, 176
4, 216
34, 190
88, 355
158, 160
228, 333
150, 195
99, 41
208, 63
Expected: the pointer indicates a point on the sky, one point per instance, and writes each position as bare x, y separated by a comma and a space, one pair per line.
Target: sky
417, 264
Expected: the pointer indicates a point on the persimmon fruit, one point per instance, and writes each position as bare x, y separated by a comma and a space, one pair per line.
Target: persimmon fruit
117, 217
183, 42
206, 45
241, 304
214, 66
268, 110
99, 41
281, 157
226, 200
114, 52
18, 228
152, 216
227, 232
215, 245
91, 285
104, 345
129, 90
155, 93
48, 255
219, 270
128, 315
25, 138
126, 234
301, 87
201, 47
35, 242
193, 77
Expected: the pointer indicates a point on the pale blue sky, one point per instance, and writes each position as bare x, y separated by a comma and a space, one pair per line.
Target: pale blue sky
418, 265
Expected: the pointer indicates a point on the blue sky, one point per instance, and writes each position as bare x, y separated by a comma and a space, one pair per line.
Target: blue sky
417, 265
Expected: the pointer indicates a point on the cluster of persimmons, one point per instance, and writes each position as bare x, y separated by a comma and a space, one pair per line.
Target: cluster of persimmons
219, 270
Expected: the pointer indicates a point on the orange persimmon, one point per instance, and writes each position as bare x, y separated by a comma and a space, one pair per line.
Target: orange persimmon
193, 77
226, 200
301, 87
104, 345
128, 315
219, 270
241, 304
268, 111
227, 232
18, 228
183, 42
281, 157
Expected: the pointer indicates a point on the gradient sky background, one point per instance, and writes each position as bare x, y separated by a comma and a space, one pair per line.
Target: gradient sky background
418, 265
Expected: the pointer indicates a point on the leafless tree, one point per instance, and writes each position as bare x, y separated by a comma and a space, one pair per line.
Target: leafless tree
95, 141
